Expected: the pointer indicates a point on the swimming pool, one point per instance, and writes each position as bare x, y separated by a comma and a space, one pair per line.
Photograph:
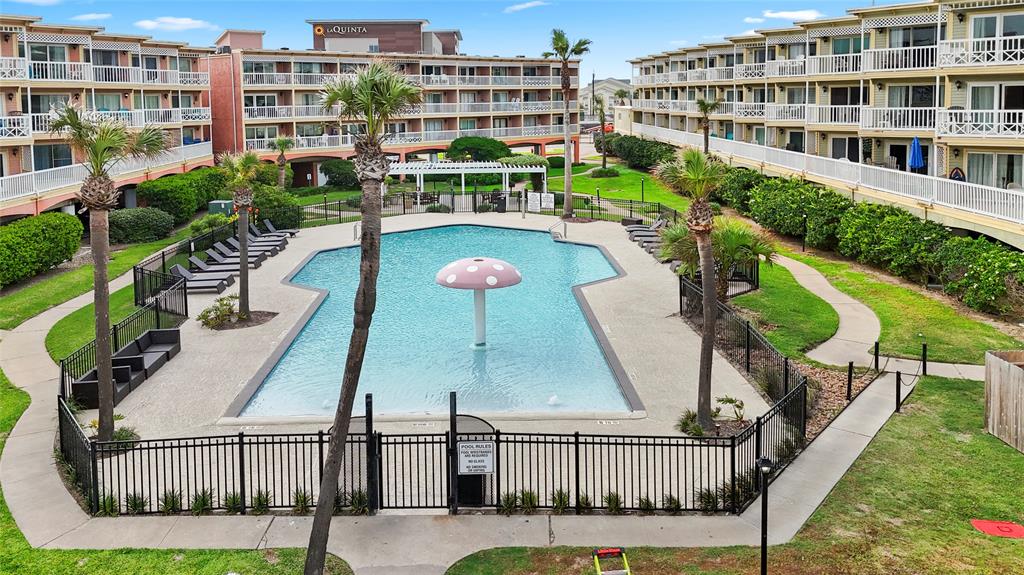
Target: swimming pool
541, 353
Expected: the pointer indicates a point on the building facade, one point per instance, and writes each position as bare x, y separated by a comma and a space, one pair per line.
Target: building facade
134, 79
261, 94
605, 88
859, 89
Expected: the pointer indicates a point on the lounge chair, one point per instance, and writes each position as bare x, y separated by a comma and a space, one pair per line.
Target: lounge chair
674, 265
201, 266
637, 236
658, 224
218, 258
289, 231
218, 285
257, 236
181, 272
233, 253
234, 244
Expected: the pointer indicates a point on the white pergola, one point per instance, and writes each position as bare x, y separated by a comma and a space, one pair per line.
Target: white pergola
420, 169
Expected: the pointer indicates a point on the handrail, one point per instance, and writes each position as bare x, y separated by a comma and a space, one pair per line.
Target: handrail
355, 230
565, 229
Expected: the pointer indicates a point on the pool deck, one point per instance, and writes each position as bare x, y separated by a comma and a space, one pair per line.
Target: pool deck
194, 393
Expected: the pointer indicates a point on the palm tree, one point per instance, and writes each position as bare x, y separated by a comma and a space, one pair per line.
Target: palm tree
599, 108
282, 145
565, 50
103, 142
622, 94
733, 243
241, 171
375, 96
697, 176
706, 108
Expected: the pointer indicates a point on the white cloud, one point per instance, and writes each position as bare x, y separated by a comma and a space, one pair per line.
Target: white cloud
752, 20
679, 42
38, 2
524, 6
175, 24
91, 16
795, 15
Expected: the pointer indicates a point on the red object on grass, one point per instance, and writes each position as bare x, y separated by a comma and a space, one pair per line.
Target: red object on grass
999, 528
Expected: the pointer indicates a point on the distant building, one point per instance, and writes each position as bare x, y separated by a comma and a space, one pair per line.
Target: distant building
605, 88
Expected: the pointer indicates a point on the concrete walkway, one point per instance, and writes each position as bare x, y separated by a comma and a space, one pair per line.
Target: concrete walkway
859, 329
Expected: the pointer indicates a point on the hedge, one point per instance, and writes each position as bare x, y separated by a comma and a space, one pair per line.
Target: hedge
35, 244
182, 195
207, 223
736, 187
823, 218
478, 148
891, 238
979, 273
278, 206
601, 139
340, 174
604, 173
267, 174
779, 204
137, 225
642, 154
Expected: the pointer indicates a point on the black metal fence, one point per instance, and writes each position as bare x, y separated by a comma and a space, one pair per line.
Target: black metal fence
153, 275
167, 309
76, 451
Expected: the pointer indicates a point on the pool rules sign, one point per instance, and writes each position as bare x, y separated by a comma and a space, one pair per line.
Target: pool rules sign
476, 457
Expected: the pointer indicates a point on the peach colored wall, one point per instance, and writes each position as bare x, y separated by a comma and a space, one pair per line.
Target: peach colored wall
243, 40
226, 102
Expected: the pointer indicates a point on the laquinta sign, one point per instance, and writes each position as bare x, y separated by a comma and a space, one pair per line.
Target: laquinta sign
338, 29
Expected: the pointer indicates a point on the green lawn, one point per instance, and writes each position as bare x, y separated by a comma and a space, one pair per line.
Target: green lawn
909, 318
625, 186
793, 319
332, 196
903, 508
78, 327
41, 296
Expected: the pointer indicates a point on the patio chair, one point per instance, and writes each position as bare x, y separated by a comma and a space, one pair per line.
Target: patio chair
193, 283
254, 247
657, 225
201, 266
218, 258
255, 231
183, 272
232, 253
256, 237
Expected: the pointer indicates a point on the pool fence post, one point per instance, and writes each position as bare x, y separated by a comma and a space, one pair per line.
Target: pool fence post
576, 451
320, 453
497, 469
94, 499
453, 454
785, 376
876, 355
748, 346
849, 381
372, 479
757, 446
241, 471
924, 358
899, 390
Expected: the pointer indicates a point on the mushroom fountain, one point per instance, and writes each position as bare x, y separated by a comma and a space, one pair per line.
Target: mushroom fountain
479, 274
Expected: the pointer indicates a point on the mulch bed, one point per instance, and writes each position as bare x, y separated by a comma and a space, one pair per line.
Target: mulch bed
829, 394
255, 318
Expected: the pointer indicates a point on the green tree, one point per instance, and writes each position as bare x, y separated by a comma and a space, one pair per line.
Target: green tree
697, 176
599, 108
240, 171
376, 95
282, 145
733, 243
706, 108
621, 94
565, 51
478, 149
103, 143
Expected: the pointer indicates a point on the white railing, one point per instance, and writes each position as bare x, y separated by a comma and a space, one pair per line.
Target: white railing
266, 78
982, 51
980, 123
195, 114
41, 122
117, 74
194, 78
841, 115
719, 74
267, 112
724, 108
915, 58
311, 79
747, 71
985, 200
897, 118
474, 107
442, 108
833, 64
785, 112
31, 183
60, 71
779, 68
160, 76
12, 68
698, 75
162, 116
132, 118
748, 110
14, 127
314, 111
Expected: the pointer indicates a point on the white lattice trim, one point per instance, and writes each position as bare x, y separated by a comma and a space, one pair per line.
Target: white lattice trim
982, 4
904, 20
192, 55
798, 38
833, 31
114, 45
157, 51
725, 51
54, 38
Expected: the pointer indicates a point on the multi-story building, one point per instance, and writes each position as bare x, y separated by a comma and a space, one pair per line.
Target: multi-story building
134, 79
606, 89
261, 94
848, 97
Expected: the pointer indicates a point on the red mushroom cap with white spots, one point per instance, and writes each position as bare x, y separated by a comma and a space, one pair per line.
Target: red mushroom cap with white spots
478, 273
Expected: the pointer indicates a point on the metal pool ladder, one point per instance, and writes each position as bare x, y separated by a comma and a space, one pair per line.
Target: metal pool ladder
554, 233
355, 230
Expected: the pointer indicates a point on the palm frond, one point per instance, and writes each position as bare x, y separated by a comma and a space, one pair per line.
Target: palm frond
104, 141
282, 144
376, 95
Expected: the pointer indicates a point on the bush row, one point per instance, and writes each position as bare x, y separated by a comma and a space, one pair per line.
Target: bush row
35, 244
182, 195
136, 225
641, 154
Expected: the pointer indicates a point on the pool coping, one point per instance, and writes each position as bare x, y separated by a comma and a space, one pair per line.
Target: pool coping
233, 413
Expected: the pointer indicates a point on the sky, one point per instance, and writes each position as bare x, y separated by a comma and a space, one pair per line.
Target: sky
619, 30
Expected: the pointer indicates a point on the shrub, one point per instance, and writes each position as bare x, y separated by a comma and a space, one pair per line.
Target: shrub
536, 179
736, 187
175, 195
508, 503
233, 502
301, 501
559, 501
278, 206
823, 219
642, 154
261, 502
978, 272
671, 504
202, 502
646, 505
688, 423
890, 238
604, 173
32, 245
483, 208
557, 162
208, 223
108, 506
127, 437
267, 174
208, 184
222, 311
359, 502
437, 209
341, 501
607, 138
137, 225
478, 148
707, 500
340, 174
136, 503
585, 504
716, 208
528, 501
355, 202
613, 503
170, 503
779, 204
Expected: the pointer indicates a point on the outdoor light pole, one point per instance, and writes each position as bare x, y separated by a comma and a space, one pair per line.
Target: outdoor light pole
765, 466
641, 190
803, 238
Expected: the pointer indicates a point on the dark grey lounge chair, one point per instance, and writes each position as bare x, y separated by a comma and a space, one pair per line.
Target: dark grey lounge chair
263, 238
218, 285
201, 266
232, 253
181, 272
273, 230
253, 248
255, 232
220, 259
657, 225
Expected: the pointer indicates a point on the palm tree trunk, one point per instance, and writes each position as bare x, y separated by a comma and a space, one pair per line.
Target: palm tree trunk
567, 152
707, 138
243, 262
707, 338
99, 241
365, 303
281, 164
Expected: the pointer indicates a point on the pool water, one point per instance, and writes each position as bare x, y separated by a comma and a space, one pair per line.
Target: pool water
541, 354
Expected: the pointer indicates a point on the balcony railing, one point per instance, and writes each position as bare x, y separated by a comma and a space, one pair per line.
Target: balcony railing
14, 127
834, 64
266, 78
719, 74
336, 140
194, 78
319, 79
309, 79
837, 115
29, 184
784, 68
889, 59
117, 74
785, 112
980, 123
748, 71
195, 114
474, 107
13, 69
697, 75
748, 110
267, 112
60, 71
982, 51
724, 109
897, 118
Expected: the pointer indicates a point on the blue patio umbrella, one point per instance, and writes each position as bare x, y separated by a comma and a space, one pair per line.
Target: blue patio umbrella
916, 155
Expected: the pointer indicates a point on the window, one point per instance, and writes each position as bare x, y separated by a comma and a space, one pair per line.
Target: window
467, 71
149, 102
308, 67
467, 97
309, 99
911, 96
467, 123
848, 96
433, 98
182, 101
258, 67
309, 130
981, 169
912, 36
500, 122
433, 125
106, 102
397, 128
353, 128
530, 71
846, 148
429, 70
47, 53
260, 100
530, 121
188, 136
759, 135
43, 103
104, 57
796, 95
796, 141
48, 156
851, 45
260, 132
997, 25
184, 64
499, 96
759, 56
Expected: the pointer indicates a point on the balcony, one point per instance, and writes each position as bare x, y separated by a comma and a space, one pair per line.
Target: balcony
13, 69
195, 114
749, 71
60, 71
117, 74
267, 112
897, 59
14, 127
748, 110
697, 75
194, 78
982, 51
785, 68
785, 112
266, 79
980, 123
834, 64
724, 109
834, 115
474, 107
304, 79
920, 119
719, 74
337, 141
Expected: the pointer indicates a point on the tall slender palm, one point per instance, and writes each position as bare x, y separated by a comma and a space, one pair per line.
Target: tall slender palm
599, 108
565, 51
706, 108
375, 96
241, 171
621, 94
733, 243
103, 142
697, 176
282, 145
